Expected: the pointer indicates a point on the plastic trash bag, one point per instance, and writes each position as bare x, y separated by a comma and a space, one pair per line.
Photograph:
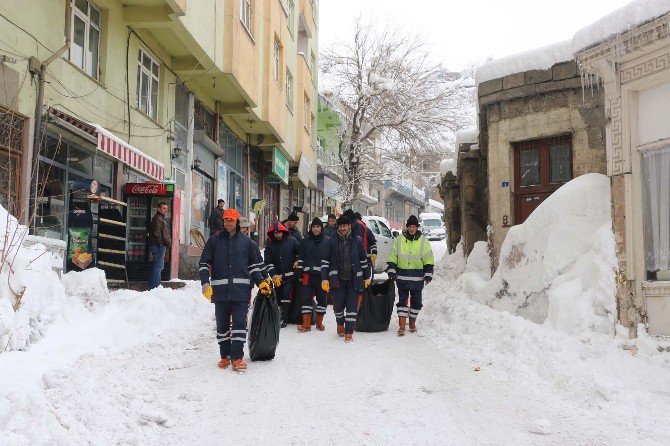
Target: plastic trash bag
264, 330
376, 309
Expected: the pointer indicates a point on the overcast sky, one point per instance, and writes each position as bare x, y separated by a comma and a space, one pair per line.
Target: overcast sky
468, 31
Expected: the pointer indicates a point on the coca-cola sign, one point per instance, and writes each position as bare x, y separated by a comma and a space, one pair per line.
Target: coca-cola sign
145, 189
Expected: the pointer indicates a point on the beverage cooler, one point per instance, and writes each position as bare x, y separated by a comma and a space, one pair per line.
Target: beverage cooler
142, 200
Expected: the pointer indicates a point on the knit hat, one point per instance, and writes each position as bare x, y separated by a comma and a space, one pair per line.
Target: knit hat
316, 222
244, 223
293, 217
349, 213
412, 221
231, 213
357, 216
343, 220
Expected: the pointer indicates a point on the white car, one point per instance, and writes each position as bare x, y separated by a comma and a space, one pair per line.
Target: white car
381, 228
433, 228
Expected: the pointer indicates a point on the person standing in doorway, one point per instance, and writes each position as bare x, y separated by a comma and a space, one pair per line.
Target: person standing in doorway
229, 264
410, 264
159, 241
345, 268
216, 218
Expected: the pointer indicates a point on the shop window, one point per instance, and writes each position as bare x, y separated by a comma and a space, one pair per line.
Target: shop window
656, 208
85, 47
50, 216
147, 85
10, 169
201, 202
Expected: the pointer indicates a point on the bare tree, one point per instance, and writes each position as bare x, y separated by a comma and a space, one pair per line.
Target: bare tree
399, 104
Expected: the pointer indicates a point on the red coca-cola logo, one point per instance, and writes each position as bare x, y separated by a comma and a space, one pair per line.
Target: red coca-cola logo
145, 189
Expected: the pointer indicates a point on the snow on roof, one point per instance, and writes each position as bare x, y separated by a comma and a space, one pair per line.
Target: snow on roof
618, 22
436, 204
470, 135
536, 59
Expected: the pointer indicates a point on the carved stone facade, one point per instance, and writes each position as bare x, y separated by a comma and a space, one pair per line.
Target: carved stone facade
631, 63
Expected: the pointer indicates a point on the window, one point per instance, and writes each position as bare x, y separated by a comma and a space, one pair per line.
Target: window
147, 85
245, 14
530, 167
289, 17
289, 90
306, 114
85, 37
656, 212
275, 66
373, 226
386, 232
559, 156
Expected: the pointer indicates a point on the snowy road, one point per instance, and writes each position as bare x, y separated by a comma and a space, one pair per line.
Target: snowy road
146, 375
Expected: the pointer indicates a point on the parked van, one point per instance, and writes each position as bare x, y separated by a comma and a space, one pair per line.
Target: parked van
432, 226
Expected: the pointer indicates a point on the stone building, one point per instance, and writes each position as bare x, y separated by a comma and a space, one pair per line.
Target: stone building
633, 65
538, 129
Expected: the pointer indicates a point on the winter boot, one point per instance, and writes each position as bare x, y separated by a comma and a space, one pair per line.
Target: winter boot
239, 365
412, 325
348, 337
225, 362
340, 330
306, 323
401, 325
319, 322
283, 314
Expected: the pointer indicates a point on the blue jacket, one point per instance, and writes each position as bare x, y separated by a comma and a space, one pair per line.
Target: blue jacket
312, 253
295, 233
359, 262
280, 257
232, 261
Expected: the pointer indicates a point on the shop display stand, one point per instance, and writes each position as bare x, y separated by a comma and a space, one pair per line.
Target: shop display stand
111, 241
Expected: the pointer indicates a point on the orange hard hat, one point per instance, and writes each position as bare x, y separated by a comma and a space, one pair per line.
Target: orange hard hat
231, 213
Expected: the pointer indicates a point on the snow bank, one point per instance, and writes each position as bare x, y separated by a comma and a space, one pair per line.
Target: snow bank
30, 291
89, 285
536, 59
558, 267
470, 135
618, 22
448, 165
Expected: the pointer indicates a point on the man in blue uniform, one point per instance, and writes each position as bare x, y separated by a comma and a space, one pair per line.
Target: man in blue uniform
281, 261
312, 250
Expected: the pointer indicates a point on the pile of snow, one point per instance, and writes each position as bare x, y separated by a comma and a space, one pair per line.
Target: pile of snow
558, 267
467, 136
536, 59
451, 266
89, 285
31, 293
618, 22
448, 165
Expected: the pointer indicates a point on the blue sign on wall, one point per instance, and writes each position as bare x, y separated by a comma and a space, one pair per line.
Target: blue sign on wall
505, 184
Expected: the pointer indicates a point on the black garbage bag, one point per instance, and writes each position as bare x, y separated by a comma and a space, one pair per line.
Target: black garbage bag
264, 331
295, 307
376, 309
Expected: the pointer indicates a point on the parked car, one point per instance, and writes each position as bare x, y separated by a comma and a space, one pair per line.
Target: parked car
432, 226
381, 228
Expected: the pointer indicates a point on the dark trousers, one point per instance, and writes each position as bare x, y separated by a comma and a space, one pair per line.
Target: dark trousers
158, 260
285, 290
346, 297
313, 288
231, 340
415, 302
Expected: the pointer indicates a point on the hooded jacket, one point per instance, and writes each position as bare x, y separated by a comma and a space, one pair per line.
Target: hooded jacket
280, 255
230, 263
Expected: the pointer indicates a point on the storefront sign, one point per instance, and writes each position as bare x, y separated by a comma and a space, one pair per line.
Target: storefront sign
147, 188
280, 165
304, 170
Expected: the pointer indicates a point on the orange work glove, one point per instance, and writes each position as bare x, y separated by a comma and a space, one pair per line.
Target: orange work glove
264, 288
325, 285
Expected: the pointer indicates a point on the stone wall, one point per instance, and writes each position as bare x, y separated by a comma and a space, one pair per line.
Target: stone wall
532, 105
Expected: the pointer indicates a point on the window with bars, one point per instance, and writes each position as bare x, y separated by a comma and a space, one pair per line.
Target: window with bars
85, 46
147, 85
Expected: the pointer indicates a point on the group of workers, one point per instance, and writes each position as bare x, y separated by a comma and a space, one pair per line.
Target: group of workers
335, 259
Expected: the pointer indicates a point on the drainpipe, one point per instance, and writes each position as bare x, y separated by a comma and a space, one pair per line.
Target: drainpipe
39, 106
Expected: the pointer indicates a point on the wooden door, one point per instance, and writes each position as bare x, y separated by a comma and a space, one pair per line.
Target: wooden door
541, 166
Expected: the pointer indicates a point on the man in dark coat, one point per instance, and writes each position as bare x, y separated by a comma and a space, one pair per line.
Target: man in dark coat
290, 224
312, 250
331, 228
369, 240
216, 218
281, 261
228, 265
345, 269
159, 241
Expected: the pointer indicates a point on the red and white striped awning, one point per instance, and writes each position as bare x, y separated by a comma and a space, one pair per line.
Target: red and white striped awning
121, 150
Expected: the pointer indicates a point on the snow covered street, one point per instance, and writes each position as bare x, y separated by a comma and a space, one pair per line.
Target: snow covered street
142, 370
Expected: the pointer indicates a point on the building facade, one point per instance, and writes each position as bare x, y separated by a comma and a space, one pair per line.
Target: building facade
217, 96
